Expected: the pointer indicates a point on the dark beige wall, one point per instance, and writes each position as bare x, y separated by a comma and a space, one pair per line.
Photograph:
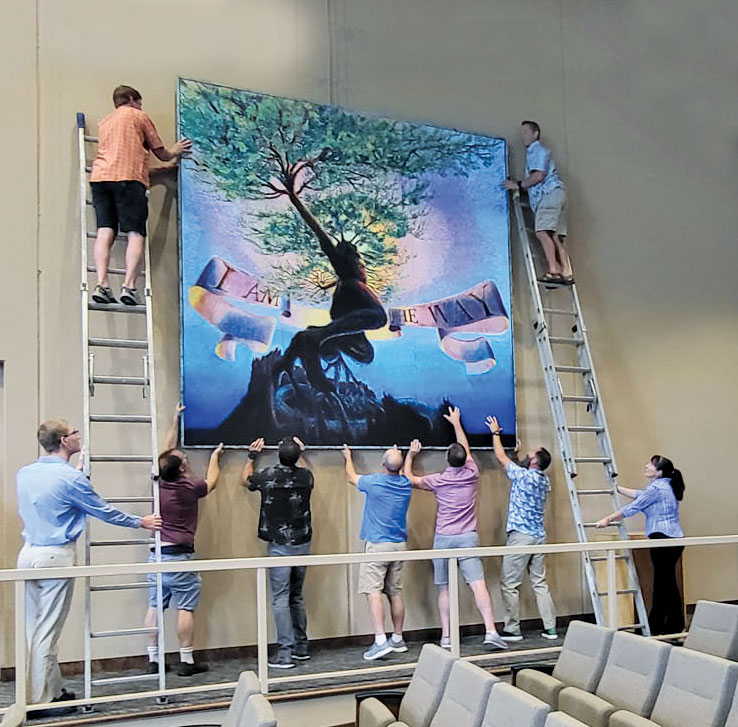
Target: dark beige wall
638, 101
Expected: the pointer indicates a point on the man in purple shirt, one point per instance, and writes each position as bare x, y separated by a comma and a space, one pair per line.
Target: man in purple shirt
455, 490
179, 493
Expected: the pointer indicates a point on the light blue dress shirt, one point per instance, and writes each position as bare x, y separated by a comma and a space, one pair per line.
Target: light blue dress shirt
660, 506
539, 158
54, 500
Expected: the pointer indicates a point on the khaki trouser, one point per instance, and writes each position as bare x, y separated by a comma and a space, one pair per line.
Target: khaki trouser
513, 569
47, 607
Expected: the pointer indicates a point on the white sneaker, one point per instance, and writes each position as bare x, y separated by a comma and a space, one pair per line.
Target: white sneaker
494, 640
550, 634
377, 651
445, 642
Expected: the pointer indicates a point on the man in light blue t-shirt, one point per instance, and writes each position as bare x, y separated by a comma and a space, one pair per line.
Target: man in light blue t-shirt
383, 530
547, 195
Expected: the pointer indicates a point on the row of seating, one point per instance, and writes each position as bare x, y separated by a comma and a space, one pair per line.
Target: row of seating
617, 679
448, 692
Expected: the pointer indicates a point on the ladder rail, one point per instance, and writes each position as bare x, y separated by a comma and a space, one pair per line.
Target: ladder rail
594, 402
147, 383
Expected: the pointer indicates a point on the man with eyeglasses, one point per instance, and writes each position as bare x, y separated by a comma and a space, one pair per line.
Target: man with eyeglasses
54, 500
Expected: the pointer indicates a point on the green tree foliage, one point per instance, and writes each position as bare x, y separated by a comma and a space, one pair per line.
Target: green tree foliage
342, 176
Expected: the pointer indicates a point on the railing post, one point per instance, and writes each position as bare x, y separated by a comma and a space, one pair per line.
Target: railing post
20, 644
262, 637
612, 590
453, 604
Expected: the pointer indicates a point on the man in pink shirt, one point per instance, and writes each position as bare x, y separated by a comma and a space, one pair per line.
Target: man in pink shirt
455, 490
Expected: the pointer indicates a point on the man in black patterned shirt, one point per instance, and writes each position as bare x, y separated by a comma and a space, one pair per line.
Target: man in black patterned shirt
284, 523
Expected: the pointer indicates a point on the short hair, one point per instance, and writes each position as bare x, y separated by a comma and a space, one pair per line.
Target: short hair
50, 434
456, 455
392, 460
123, 94
543, 456
169, 464
289, 452
533, 125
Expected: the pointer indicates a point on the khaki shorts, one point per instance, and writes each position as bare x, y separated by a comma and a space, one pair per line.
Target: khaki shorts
382, 576
551, 212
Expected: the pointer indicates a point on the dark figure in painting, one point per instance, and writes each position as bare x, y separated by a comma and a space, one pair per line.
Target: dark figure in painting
355, 308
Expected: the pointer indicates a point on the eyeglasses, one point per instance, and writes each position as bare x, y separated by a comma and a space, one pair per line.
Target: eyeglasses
74, 431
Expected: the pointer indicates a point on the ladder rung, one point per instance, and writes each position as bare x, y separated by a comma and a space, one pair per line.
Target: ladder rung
129, 499
131, 678
573, 369
630, 626
594, 492
121, 418
570, 341
117, 343
120, 380
585, 429
112, 271
117, 238
594, 525
623, 592
91, 138
120, 586
121, 458
592, 460
599, 558
122, 632
560, 311
553, 284
111, 543
577, 397
117, 307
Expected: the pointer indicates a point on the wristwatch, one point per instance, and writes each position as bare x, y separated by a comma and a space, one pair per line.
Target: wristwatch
253, 455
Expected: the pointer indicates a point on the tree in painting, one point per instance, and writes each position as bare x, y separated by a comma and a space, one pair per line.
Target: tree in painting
344, 188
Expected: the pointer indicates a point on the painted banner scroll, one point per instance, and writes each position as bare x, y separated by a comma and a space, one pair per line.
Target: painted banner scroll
344, 277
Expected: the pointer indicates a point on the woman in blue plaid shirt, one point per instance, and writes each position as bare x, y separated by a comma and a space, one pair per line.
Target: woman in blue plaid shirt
659, 502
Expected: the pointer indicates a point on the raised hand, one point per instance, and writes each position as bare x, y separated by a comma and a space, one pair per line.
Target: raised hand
346, 451
299, 443
218, 450
454, 415
178, 409
257, 445
415, 447
493, 425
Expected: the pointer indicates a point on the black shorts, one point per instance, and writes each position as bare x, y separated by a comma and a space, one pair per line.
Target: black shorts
120, 205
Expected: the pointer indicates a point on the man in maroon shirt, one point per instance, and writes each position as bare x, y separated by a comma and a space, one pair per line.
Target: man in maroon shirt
179, 494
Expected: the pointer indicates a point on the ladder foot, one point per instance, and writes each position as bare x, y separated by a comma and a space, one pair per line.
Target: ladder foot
87, 709
162, 700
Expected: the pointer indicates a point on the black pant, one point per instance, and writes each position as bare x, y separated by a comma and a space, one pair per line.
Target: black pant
667, 612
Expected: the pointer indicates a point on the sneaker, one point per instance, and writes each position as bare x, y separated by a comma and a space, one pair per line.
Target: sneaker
301, 654
494, 640
65, 696
399, 646
445, 642
103, 295
153, 667
281, 661
377, 651
129, 296
187, 670
511, 636
550, 634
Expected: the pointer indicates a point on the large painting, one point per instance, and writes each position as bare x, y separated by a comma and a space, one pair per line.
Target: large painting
345, 277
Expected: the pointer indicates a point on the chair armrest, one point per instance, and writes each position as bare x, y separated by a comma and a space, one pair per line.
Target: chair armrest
390, 698
537, 665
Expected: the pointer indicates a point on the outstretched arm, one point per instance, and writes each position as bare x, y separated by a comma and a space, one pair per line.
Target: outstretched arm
454, 416
496, 430
170, 441
351, 476
628, 492
211, 477
248, 469
609, 519
407, 469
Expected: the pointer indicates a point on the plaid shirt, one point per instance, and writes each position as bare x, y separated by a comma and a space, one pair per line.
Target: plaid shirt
125, 138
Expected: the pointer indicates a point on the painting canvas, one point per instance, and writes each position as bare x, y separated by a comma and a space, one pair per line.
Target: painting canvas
345, 277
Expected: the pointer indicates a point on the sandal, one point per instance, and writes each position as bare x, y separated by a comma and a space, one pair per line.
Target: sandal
550, 278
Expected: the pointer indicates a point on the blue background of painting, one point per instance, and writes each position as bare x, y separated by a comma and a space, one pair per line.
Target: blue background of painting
464, 242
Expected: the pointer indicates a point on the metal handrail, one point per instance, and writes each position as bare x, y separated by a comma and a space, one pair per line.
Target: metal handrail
262, 564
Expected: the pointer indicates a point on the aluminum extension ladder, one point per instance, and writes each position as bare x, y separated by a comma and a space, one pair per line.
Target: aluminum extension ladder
589, 467
90, 380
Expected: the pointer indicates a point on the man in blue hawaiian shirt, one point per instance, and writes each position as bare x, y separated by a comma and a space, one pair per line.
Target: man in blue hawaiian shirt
529, 488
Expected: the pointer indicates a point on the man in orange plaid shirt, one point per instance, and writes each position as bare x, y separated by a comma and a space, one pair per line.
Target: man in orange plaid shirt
119, 183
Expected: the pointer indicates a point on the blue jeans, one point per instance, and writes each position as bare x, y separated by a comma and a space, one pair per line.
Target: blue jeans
288, 605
